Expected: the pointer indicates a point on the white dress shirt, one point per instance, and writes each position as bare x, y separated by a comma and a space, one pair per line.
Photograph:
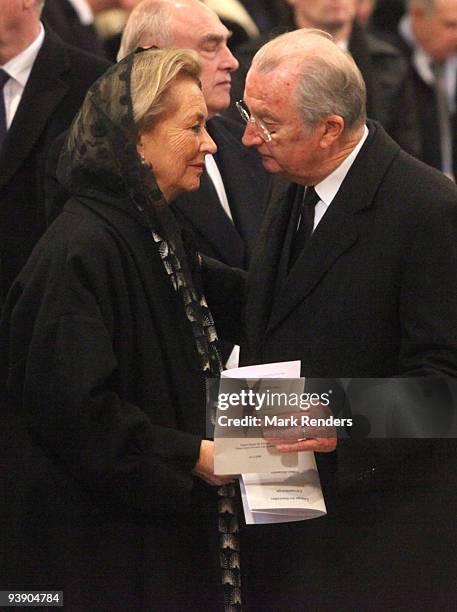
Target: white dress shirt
19, 69
218, 183
328, 188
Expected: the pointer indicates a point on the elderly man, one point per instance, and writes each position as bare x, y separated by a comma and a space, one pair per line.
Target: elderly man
226, 212
355, 276
389, 89
42, 84
427, 34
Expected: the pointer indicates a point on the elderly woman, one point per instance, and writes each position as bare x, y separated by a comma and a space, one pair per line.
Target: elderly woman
107, 342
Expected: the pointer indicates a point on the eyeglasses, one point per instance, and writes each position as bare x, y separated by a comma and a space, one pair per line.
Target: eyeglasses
262, 130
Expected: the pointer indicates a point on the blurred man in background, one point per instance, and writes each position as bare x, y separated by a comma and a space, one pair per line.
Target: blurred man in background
43, 82
427, 35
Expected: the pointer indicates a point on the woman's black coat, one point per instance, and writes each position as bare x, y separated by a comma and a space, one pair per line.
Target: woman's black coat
103, 422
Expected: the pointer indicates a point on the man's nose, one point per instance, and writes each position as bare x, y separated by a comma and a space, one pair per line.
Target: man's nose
251, 137
230, 62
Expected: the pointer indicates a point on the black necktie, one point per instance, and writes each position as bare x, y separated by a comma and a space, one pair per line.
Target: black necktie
306, 224
4, 77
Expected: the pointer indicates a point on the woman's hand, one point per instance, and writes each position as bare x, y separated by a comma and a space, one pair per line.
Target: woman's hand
204, 468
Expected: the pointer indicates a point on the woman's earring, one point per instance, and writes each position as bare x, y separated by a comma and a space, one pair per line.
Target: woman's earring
145, 163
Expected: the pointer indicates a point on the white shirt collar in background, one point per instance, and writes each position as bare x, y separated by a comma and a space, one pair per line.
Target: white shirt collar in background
215, 176
19, 69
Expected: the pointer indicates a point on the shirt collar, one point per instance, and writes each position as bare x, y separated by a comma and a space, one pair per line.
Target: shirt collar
328, 188
19, 67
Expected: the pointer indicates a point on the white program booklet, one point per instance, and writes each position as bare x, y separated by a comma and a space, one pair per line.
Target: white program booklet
282, 369
275, 487
251, 453
285, 495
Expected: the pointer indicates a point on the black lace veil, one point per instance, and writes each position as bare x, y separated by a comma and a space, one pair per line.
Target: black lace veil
100, 158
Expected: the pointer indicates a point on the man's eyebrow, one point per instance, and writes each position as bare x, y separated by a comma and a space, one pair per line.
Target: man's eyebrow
266, 115
212, 38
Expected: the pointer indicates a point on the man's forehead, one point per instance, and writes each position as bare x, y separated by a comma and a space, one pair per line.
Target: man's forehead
273, 87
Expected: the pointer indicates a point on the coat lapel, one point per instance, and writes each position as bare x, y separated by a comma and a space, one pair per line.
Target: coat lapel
263, 273
337, 232
334, 235
43, 93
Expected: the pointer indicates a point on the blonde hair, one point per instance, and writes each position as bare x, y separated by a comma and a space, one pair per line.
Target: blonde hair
152, 75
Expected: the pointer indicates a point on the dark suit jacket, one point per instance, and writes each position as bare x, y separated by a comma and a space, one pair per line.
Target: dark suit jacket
373, 285
390, 97
56, 87
427, 110
373, 295
64, 21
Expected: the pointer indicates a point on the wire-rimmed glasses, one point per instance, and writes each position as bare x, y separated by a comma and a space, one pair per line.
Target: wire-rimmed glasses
262, 130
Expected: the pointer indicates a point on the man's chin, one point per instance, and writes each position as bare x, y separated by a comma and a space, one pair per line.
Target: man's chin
270, 164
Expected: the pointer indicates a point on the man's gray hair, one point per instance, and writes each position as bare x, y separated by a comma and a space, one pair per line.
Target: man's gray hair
148, 24
329, 82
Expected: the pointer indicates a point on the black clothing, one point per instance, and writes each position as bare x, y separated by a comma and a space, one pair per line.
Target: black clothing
104, 362
374, 294
427, 110
60, 77
247, 187
63, 19
386, 15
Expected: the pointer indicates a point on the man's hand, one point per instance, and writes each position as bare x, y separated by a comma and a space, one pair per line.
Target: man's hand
297, 436
204, 468
321, 445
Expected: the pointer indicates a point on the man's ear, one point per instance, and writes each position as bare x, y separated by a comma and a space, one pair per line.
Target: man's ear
333, 126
